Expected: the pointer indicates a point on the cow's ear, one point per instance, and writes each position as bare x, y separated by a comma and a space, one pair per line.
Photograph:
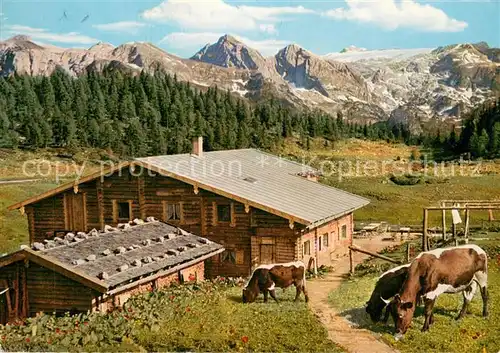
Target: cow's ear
397, 298
407, 305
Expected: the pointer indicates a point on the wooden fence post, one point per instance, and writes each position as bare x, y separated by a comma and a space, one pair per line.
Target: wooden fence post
408, 250
467, 225
351, 264
425, 245
443, 213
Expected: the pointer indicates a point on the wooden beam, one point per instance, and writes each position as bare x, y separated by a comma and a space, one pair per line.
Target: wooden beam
203, 216
214, 213
443, 215
141, 196
358, 249
351, 262
100, 202
84, 197
484, 207
467, 225
31, 223
11, 258
425, 244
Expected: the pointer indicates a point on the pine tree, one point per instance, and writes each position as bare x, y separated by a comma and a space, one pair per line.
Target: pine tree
135, 138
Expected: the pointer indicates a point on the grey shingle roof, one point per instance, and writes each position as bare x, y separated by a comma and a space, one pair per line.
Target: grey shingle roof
127, 254
270, 181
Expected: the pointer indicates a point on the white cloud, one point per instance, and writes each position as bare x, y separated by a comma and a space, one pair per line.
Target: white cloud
130, 27
44, 35
219, 15
195, 41
268, 28
393, 14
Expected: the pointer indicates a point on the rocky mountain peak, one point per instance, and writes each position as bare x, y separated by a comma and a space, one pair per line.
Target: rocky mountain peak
230, 52
229, 40
102, 45
20, 42
19, 38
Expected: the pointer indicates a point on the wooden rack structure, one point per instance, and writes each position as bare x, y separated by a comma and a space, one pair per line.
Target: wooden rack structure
467, 205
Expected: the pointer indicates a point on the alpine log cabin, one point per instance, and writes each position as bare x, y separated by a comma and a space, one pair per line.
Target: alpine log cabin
259, 207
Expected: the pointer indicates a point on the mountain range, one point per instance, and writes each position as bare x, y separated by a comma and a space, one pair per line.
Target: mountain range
416, 87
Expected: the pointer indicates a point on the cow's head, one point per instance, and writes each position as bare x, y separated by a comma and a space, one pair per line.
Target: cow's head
405, 311
249, 295
375, 306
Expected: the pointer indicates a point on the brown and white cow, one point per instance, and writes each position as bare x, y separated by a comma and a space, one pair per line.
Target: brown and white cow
444, 270
266, 278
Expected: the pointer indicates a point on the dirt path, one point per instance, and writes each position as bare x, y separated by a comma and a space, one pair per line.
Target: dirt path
355, 340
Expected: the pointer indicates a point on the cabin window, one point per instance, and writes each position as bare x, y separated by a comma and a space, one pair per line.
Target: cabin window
224, 213
307, 247
344, 231
325, 240
173, 212
229, 256
122, 211
320, 243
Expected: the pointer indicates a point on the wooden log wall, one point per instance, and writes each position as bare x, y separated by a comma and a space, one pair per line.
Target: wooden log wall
49, 292
48, 216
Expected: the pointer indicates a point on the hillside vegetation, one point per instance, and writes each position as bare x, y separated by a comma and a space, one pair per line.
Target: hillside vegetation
205, 317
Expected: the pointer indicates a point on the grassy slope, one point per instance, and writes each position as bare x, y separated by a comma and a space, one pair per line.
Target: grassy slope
403, 204
13, 226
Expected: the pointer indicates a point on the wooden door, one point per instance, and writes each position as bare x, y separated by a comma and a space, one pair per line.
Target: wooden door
75, 212
4, 316
266, 253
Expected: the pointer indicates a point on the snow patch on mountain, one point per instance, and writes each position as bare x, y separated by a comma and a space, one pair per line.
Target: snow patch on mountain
357, 55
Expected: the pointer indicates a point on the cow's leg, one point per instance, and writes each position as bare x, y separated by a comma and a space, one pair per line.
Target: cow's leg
265, 291
468, 295
482, 279
387, 313
429, 305
304, 290
273, 295
298, 289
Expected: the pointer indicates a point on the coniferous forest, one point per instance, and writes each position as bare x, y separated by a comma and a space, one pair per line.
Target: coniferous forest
156, 114
147, 115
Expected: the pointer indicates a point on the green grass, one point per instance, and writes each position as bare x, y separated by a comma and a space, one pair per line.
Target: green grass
471, 334
403, 204
13, 225
208, 317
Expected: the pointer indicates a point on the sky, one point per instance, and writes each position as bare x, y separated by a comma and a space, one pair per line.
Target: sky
182, 27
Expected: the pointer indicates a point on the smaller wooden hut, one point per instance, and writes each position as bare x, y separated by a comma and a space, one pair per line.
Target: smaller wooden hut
99, 270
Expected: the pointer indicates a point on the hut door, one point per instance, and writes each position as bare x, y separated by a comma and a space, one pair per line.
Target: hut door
267, 251
4, 316
76, 212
